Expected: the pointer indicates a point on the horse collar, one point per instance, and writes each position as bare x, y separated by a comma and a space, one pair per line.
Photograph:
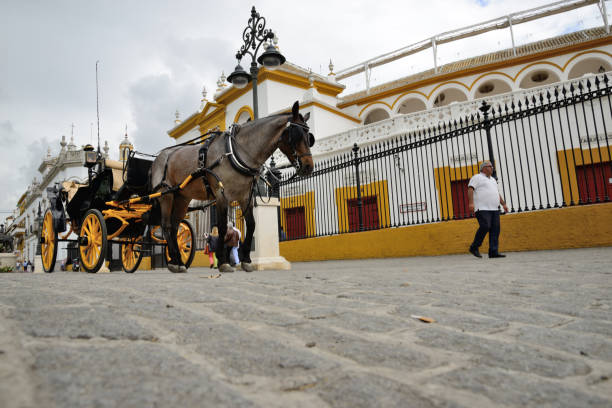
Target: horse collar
237, 162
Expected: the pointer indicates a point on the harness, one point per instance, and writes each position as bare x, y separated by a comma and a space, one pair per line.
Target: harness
290, 136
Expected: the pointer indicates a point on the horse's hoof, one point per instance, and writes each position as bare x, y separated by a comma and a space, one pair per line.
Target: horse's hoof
247, 267
225, 268
182, 269
175, 268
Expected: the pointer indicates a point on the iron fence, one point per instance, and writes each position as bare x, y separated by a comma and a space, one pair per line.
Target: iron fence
550, 148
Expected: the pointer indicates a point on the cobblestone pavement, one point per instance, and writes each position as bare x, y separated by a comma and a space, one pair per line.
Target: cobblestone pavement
531, 330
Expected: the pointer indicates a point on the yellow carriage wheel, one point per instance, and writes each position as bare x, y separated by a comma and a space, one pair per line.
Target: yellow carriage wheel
48, 242
131, 256
186, 243
92, 241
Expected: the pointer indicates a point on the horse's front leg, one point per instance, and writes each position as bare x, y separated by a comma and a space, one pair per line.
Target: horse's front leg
222, 260
245, 247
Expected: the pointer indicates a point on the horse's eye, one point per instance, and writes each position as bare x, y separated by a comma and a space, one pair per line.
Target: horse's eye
311, 139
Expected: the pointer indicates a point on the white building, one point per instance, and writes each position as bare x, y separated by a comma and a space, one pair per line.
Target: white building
66, 165
408, 105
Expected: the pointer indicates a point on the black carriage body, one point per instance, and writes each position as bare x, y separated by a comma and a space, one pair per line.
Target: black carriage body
100, 190
92, 196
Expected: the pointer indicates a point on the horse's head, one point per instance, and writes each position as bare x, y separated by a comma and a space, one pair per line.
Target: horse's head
296, 141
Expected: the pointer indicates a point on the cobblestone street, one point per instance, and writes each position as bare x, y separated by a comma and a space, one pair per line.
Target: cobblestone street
531, 330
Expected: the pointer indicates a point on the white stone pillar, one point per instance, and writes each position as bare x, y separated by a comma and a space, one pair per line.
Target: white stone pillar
266, 254
38, 265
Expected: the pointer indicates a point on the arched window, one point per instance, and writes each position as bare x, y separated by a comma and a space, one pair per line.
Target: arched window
449, 95
244, 117
411, 105
490, 87
539, 77
593, 65
376, 115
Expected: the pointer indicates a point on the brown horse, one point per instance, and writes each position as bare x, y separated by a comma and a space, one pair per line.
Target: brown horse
234, 161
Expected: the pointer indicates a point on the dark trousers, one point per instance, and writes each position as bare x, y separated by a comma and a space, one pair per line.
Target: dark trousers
489, 223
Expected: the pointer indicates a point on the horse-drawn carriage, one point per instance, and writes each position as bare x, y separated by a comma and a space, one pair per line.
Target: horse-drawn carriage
128, 203
108, 209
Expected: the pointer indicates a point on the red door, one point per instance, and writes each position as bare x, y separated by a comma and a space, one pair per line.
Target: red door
370, 213
594, 181
459, 191
295, 222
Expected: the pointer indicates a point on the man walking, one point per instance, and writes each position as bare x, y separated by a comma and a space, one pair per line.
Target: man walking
484, 198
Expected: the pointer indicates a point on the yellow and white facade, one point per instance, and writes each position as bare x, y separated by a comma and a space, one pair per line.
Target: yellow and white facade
441, 94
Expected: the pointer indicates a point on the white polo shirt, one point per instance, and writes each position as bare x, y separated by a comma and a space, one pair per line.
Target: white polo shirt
486, 193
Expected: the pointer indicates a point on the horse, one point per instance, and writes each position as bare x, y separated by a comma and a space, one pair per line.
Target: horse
228, 172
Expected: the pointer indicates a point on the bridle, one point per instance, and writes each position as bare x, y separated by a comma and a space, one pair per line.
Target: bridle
292, 135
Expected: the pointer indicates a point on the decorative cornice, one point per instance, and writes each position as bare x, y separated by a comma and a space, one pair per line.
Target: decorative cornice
185, 126
283, 77
214, 119
330, 109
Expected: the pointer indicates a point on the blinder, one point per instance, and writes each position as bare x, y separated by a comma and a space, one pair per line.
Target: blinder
293, 136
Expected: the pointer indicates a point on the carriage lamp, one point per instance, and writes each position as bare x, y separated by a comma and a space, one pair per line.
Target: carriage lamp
271, 58
239, 78
91, 156
254, 35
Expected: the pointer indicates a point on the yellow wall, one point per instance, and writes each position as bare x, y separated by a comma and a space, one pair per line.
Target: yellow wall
569, 227
200, 259
305, 200
376, 188
443, 178
569, 159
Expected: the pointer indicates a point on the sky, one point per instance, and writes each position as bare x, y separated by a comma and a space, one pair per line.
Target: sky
155, 57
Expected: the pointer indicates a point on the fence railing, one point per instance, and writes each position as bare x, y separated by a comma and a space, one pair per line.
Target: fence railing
550, 149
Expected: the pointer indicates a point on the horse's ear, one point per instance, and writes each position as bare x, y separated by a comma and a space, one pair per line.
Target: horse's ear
306, 117
295, 110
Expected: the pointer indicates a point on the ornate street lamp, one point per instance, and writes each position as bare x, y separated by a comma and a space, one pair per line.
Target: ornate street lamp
254, 35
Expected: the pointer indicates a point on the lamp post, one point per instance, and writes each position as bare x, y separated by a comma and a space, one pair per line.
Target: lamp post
254, 35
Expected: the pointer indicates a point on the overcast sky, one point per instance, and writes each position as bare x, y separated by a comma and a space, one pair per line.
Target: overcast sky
155, 57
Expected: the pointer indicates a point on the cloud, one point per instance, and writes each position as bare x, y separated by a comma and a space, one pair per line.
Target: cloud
153, 100
7, 134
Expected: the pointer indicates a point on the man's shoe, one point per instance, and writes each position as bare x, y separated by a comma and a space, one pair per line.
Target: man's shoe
497, 256
475, 252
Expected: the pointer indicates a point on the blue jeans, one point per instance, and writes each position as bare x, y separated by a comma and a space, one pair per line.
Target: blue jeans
234, 254
488, 222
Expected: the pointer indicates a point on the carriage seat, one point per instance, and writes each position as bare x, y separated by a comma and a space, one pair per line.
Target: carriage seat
136, 180
71, 188
117, 169
138, 172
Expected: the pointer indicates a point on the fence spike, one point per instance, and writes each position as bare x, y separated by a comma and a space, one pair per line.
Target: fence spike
533, 99
580, 86
588, 85
605, 79
556, 93
597, 81
526, 101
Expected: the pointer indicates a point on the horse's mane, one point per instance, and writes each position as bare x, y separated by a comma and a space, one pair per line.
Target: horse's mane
265, 119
